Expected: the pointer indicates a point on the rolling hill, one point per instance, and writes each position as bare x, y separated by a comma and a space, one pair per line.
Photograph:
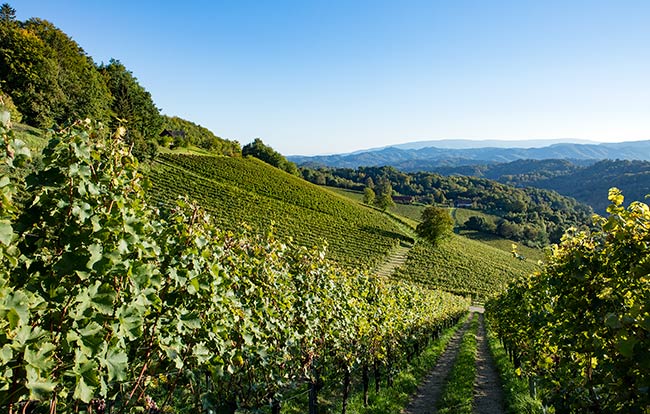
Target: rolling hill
238, 191
424, 159
246, 190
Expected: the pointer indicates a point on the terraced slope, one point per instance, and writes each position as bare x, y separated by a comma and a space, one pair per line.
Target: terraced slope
462, 266
245, 190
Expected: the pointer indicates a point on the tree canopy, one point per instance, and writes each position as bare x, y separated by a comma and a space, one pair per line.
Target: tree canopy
48, 75
261, 151
199, 136
436, 224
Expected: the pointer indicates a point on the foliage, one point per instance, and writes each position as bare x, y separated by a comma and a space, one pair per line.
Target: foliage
479, 223
246, 190
106, 301
535, 216
199, 136
85, 94
133, 108
595, 180
49, 77
263, 152
368, 196
384, 194
436, 224
462, 266
581, 326
7, 104
7, 13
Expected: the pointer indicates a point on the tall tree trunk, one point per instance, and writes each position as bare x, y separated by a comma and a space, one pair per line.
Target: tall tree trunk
276, 405
377, 377
365, 379
346, 390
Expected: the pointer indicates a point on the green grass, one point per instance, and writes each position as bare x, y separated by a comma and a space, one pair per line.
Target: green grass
515, 389
458, 393
246, 190
461, 215
531, 254
463, 266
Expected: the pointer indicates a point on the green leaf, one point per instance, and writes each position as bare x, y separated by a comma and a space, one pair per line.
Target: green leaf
6, 232
116, 363
41, 358
40, 389
6, 354
626, 346
95, 251
87, 381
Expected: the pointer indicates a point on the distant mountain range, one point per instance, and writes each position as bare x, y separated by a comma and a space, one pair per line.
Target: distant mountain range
417, 156
483, 143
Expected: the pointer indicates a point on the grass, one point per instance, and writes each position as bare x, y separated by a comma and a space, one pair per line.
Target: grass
462, 266
458, 393
531, 254
515, 389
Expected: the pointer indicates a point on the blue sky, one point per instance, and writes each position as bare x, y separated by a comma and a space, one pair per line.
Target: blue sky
313, 77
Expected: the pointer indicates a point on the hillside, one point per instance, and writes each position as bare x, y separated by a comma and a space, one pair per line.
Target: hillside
591, 184
246, 190
463, 266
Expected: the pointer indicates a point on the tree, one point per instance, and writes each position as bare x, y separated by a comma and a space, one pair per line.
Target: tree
7, 13
29, 75
479, 224
368, 196
133, 108
384, 192
263, 152
436, 224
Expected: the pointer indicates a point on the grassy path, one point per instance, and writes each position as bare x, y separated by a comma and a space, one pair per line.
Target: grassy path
424, 401
395, 259
488, 393
465, 380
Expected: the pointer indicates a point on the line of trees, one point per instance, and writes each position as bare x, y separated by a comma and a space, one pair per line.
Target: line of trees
48, 81
533, 216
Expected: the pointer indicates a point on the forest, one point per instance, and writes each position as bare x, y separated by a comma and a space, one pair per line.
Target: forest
530, 215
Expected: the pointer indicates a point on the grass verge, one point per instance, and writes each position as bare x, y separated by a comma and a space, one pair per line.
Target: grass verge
515, 389
458, 393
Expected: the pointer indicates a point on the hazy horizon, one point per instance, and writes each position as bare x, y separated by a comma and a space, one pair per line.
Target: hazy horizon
322, 77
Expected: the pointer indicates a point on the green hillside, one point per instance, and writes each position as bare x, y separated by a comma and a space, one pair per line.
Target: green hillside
463, 266
246, 190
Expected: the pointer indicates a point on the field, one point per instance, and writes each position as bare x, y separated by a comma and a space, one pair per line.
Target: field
463, 266
243, 190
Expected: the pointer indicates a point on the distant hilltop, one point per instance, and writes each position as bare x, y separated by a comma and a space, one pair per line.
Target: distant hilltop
424, 155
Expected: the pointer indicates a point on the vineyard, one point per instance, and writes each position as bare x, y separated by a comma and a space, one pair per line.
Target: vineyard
579, 330
110, 304
463, 266
237, 191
